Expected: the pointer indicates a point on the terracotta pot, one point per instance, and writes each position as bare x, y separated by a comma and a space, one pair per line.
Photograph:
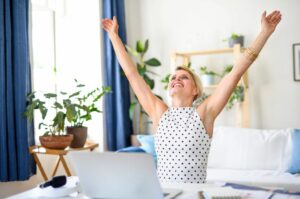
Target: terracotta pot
56, 142
80, 135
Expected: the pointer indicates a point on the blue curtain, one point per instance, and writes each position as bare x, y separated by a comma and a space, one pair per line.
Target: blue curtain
16, 134
117, 122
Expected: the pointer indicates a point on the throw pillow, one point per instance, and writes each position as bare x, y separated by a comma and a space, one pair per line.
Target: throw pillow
147, 142
295, 161
132, 149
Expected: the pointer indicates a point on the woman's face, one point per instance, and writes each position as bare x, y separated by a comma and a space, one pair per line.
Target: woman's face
182, 83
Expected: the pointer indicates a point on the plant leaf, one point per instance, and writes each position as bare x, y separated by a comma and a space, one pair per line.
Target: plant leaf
58, 105
149, 81
71, 113
59, 121
139, 46
50, 95
152, 62
80, 85
131, 109
75, 94
146, 46
131, 51
142, 70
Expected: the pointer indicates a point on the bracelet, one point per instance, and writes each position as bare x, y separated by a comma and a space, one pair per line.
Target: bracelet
250, 54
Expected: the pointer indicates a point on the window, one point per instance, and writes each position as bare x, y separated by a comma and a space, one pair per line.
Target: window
65, 34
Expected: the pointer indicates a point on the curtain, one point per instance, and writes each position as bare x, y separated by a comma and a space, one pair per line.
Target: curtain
16, 133
116, 104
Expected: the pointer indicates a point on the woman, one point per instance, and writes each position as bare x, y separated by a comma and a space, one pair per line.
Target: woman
183, 133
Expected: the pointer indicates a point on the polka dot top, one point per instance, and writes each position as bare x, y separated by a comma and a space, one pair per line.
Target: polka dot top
182, 146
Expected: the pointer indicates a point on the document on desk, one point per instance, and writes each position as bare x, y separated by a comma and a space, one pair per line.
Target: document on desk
250, 194
221, 193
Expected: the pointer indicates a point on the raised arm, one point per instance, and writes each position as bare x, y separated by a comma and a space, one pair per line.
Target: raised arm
151, 104
217, 101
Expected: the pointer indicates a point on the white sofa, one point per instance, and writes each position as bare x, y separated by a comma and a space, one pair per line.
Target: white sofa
252, 157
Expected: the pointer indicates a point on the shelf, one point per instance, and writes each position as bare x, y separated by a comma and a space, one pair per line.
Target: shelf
206, 52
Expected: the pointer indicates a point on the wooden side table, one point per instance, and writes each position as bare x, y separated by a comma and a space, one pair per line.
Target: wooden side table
37, 149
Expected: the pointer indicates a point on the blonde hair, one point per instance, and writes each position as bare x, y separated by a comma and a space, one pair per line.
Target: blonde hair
195, 78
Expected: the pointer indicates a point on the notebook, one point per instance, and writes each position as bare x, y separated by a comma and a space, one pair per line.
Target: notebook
119, 175
221, 193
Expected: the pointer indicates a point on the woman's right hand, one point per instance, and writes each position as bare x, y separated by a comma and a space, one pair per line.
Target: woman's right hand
110, 26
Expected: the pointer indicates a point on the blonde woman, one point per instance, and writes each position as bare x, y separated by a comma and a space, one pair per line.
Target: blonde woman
183, 132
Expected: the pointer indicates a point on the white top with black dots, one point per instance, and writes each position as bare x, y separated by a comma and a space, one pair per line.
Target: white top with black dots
182, 146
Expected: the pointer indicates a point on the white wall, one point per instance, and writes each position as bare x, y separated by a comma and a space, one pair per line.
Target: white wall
177, 25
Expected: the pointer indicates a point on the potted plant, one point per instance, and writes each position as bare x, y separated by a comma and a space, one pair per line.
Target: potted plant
75, 108
143, 67
79, 108
53, 136
235, 39
207, 76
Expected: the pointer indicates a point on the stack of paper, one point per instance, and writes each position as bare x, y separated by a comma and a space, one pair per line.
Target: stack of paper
221, 193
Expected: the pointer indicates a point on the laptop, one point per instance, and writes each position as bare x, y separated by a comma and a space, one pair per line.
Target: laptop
119, 175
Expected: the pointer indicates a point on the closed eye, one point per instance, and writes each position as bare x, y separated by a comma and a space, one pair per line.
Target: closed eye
184, 77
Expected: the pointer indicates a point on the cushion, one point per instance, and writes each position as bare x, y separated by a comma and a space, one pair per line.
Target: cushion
147, 144
295, 159
243, 148
132, 149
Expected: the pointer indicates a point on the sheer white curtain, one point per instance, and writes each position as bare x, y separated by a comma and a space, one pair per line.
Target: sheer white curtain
66, 34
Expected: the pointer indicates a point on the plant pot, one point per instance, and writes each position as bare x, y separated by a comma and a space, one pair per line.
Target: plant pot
80, 135
55, 141
207, 80
238, 40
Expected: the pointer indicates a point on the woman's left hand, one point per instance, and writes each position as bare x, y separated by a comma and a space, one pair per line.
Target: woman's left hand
269, 23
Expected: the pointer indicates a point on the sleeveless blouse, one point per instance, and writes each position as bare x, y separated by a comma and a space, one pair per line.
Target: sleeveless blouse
182, 146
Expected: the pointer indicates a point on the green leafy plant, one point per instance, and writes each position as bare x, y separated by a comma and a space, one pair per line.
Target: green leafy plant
166, 81
233, 36
143, 66
205, 71
76, 108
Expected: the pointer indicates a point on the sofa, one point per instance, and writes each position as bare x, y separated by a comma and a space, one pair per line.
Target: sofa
253, 157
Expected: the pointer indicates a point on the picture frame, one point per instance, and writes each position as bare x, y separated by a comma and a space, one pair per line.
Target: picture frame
296, 61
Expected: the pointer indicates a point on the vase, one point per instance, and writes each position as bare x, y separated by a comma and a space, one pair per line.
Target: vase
80, 135
56, 141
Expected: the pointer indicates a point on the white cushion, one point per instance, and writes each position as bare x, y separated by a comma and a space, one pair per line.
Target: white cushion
242, 148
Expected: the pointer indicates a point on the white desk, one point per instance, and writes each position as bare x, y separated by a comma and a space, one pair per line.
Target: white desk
190, 191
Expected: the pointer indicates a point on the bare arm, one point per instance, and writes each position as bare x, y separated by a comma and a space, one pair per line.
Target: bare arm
151, 104
217, 101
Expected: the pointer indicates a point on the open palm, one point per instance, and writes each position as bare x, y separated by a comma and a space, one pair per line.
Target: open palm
110, 26
270, 22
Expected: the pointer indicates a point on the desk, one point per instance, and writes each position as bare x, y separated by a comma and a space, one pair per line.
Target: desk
190, 191
36, 149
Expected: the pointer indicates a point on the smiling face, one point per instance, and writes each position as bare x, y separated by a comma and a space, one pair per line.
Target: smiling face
182, 84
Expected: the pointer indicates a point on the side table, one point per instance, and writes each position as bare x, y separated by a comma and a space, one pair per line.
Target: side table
37, 149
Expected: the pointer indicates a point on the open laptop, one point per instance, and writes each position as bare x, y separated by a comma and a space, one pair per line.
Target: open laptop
119, 175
